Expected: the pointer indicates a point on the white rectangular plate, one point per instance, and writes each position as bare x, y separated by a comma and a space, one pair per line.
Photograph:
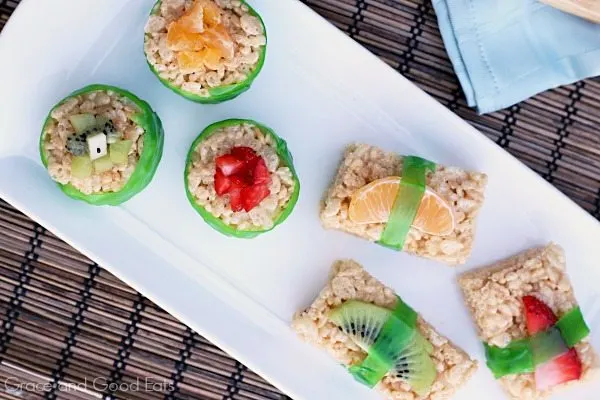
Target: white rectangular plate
319, 90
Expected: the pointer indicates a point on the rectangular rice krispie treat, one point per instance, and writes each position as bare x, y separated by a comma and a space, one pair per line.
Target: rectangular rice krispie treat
349, 281
462, 190
495, 294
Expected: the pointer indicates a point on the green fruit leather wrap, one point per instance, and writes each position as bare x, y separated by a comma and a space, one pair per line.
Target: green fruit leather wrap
217, 94
524, 355
285, 158
381, 359
149, 159
410, 193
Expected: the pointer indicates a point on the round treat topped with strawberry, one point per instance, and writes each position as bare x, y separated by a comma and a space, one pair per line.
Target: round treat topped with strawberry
240, 178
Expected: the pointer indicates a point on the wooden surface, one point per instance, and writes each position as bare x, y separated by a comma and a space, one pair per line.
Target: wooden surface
71, 330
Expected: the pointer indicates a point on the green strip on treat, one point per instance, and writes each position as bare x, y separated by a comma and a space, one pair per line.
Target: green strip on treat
408, 199
405, 313
572, 327
516, 358
383, 354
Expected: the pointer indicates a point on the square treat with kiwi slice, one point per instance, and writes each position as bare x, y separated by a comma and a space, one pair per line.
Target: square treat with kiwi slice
430, 211
535, 337
365, 326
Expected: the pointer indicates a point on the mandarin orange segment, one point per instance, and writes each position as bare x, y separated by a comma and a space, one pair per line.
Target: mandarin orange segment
211, 58
193, 20
373, 204
179, 39
435, 216
218, 38
212, 12
190, 61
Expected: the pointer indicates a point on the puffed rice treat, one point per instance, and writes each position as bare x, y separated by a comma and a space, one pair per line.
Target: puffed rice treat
223, 139
494, 296
198, 46
462, 190
349, 281
93, 142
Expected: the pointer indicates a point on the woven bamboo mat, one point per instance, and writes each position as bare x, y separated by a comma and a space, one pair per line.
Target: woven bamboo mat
66, 321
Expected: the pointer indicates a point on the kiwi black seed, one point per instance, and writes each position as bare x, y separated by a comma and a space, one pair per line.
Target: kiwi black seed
363, 323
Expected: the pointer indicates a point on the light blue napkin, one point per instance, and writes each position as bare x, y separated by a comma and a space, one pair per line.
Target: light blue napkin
505, 51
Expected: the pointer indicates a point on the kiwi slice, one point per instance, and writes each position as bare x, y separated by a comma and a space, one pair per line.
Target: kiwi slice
363, 322
393, 346
82, 122
81, 167
415, 366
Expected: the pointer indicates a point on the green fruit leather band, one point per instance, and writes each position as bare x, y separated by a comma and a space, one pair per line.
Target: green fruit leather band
524, 355
382, 354
149, 159
572, 327
408, 199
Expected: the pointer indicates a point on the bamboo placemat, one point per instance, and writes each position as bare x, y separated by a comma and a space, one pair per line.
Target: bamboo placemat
66, 321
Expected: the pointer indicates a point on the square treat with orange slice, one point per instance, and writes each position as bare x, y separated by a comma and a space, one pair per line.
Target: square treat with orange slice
535, 337
382, 341
406, 203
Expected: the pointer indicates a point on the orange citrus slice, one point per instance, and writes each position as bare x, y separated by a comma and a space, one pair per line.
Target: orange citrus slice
191, 61
373, 203
219, 38
180, 39
211, 12
193, 20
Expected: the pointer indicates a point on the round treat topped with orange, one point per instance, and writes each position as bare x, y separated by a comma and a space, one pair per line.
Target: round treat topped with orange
208, 51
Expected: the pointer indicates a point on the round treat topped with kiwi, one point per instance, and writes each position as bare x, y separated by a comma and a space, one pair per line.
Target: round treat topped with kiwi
102, 144
240, 177
208, 51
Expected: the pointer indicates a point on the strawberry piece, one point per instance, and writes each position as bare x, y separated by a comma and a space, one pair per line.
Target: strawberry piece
222, 183
235, 200
564, 368
538, 315
237, 183
229, 165
253, 195
261, 173
247, 155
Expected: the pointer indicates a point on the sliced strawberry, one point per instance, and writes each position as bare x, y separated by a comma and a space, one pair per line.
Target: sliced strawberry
538, 315
229, 165
564, 368
222, 183
253, 195
235, 200
245, 154
261, 173
237, 183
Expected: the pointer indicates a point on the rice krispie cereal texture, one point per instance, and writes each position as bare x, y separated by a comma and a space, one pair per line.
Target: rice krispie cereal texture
245, 29
463, 190
56, 132
494, 297
348, 281
201, 177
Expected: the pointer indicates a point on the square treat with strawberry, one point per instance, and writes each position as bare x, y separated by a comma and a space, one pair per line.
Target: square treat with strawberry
240, 178
382, 341
406, 203
534, 333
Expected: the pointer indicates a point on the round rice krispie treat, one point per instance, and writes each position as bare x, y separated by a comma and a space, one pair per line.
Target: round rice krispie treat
102, 144
207, 51
240, 178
